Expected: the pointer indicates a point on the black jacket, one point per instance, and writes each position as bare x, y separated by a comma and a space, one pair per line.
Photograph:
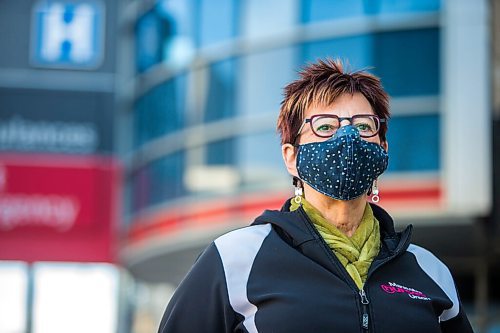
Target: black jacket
279, 275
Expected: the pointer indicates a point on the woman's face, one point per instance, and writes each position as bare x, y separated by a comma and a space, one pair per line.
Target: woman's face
346, 105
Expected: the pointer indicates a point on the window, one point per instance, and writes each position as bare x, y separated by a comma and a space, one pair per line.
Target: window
159, 181
408, 61
414, 143
159, 111
218, 21
221, 91
260, 162
178, 41
150, 31
221, 152
261, 78
356, 49
321, 10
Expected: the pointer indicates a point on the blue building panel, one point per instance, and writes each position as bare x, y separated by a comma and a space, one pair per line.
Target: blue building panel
325, 10
414, 143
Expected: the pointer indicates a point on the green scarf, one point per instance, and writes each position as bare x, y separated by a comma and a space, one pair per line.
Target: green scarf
356, 253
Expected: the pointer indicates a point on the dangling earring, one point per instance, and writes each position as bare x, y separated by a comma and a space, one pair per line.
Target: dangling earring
375, 192
298, 190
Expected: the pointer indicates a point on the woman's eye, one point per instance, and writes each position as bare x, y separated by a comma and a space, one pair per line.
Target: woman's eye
364, 127
325, 128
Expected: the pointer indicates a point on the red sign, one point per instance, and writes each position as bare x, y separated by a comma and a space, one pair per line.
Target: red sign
58, 208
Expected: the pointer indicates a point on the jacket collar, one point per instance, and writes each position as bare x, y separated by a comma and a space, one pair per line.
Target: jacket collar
296, 228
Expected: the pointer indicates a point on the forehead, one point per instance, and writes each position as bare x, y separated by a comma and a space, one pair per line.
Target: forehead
344, 105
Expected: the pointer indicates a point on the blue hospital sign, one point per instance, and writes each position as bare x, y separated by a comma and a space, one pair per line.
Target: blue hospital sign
68, 34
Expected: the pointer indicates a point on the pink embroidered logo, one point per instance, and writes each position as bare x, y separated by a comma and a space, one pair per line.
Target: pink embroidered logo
392, 288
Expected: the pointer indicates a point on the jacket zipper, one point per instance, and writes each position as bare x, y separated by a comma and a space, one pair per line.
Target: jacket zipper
364, 299
365, 318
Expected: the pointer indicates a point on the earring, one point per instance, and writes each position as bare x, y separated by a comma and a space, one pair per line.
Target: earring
375, 192
298, 191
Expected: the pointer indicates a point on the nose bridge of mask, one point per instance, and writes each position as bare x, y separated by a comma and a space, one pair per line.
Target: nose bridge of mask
349, 135
347, 130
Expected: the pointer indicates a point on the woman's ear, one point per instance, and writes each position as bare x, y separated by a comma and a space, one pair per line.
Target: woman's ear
385, 145
289, 157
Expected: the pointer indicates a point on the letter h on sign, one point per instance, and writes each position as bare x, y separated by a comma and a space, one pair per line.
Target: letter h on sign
68, 34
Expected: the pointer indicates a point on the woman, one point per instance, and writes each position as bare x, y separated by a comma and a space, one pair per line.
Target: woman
328, 261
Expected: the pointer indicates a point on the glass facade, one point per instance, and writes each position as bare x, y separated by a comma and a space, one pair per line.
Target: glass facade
219, 107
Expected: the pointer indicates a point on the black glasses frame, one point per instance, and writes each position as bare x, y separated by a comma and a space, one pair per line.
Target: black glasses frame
340, 119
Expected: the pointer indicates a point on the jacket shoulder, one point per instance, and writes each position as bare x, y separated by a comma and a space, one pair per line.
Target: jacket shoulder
440, 274
238, 250
251, 236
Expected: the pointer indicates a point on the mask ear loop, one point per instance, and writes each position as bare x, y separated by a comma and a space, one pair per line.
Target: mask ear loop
375, 192
299, 192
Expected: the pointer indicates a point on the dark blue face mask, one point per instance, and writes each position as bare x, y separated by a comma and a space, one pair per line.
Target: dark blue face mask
342, 167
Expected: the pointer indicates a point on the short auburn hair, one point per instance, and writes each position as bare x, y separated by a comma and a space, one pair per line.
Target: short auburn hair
320, 84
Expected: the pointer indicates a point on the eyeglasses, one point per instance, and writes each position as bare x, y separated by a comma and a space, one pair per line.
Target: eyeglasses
325, 125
